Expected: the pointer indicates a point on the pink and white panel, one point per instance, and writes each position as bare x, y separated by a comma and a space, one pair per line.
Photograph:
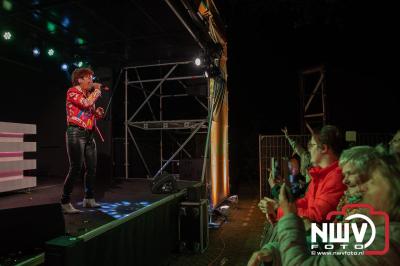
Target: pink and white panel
12, 162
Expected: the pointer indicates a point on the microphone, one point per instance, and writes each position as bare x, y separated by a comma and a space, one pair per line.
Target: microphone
100, 86
104, 87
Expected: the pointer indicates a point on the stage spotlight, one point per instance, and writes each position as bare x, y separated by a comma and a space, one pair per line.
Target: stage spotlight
64, 67
197, 61
36, 52
51, 27
50, 52
79, 41
65, 22
7, 35
7, 5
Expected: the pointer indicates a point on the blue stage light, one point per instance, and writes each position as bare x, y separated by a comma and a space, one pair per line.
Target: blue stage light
36, 52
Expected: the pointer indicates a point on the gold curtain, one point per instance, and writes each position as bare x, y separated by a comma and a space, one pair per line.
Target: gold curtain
219, 150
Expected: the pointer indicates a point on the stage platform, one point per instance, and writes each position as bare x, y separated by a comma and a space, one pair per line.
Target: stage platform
132, 227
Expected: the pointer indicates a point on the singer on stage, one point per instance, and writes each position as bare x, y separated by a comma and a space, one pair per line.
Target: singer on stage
81, 126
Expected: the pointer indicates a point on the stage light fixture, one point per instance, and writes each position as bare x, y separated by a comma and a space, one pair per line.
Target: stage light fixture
36, 52
50, 52
65, 22
64, 67
7, 35
7, 5
79, 64
79, 41
197, 61
51, 27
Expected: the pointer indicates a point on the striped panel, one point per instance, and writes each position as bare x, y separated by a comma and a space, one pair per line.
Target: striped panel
12, 163
15, 184
7, 127
17, 146
17, 165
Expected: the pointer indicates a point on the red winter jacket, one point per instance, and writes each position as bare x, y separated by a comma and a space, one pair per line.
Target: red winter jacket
323, 193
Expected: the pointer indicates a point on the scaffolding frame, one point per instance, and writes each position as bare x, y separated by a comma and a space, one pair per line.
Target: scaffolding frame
195, 125
308, 94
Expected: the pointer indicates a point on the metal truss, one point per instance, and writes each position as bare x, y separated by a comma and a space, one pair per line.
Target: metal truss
313, 98
174, 74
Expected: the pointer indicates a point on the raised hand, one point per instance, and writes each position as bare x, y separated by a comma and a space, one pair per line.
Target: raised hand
285, 131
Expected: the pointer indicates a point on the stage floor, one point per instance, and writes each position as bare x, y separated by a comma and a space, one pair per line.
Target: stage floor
117, 200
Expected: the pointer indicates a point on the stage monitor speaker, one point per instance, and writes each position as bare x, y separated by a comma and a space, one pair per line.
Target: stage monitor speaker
164, 184
193, 226
26, 229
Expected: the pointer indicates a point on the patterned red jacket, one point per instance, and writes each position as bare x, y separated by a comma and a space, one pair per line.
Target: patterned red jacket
81, 109
323, 194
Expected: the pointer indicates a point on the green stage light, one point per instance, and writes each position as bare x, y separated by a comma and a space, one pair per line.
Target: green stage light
79, 41
7, 35
51, 27
7, 5
50, 52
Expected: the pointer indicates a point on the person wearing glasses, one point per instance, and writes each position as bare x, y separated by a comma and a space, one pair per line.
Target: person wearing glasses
326, 186
381, 192
81, 146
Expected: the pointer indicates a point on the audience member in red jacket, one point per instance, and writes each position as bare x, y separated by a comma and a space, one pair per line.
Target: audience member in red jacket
326, 186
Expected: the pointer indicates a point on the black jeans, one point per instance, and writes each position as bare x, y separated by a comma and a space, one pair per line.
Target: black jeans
81, 149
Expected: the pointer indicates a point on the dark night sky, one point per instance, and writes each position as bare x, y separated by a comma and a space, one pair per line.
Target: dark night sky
270, 41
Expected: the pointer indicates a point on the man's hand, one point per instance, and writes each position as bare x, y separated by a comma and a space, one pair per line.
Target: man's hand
99, 86
285, 131
271, 179
100, 112
269, 206
263, 255
287, 207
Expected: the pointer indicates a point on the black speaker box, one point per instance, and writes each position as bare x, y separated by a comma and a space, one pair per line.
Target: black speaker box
193, 226
164, 184
26, 229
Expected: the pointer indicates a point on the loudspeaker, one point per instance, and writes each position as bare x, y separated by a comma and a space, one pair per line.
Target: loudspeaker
27, 229
193, 225
164, 184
